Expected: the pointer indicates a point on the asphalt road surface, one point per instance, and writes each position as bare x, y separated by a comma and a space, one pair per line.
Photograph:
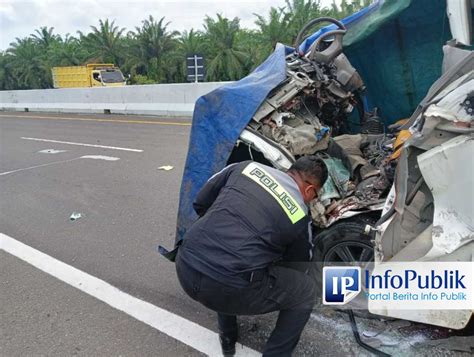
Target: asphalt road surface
106, 168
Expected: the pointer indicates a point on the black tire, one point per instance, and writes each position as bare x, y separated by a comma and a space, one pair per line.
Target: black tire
347, 242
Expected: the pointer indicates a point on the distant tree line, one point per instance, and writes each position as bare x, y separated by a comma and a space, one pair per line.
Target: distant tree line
152, 53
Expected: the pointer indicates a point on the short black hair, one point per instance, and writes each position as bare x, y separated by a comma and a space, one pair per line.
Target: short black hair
311, 166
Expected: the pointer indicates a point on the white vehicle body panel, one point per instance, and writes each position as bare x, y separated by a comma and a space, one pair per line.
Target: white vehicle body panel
271, 153
448, 170
459, 14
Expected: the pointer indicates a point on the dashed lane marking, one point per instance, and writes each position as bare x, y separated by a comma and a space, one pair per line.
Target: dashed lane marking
37, 166
82, 144
94, 157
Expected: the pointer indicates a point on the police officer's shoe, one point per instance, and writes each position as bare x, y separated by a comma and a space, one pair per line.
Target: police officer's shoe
227, 345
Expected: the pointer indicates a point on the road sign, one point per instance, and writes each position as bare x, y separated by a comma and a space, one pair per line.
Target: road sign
195, 68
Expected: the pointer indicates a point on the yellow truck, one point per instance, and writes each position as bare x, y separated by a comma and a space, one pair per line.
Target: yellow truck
89, 75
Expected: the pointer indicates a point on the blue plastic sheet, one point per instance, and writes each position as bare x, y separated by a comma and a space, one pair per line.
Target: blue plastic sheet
219, 118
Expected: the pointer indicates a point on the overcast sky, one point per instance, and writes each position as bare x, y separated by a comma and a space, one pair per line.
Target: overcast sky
19, 18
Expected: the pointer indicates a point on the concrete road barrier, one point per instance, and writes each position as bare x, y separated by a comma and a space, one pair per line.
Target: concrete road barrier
170, 100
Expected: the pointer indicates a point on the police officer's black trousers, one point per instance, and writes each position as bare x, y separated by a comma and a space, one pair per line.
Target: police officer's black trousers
277, 289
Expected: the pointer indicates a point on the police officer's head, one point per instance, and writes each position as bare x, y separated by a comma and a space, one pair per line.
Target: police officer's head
310, 173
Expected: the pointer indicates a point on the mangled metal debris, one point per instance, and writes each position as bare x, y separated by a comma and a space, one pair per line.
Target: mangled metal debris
313, 102
303, 115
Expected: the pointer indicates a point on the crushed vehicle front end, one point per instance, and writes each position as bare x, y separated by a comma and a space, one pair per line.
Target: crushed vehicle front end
310, 113
383, 187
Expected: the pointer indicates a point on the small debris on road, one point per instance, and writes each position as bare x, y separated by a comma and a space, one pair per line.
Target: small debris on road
75, 216
51, 151
166, 168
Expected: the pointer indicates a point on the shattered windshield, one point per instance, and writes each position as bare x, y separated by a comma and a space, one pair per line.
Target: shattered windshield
113, 76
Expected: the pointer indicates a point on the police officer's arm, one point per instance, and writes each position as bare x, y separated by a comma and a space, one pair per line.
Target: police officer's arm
299, 253
209, 192
301, 248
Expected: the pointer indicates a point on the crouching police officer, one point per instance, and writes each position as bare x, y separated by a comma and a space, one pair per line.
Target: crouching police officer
253, 216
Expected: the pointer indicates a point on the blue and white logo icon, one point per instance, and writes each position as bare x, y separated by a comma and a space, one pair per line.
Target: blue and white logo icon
340, 284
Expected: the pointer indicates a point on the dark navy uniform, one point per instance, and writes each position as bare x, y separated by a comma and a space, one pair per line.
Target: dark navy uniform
253, 218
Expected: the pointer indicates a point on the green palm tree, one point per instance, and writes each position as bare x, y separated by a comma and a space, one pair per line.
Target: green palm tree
154, 37
272, 31
152, 48
347, 8
29, 65
191, 42
7, 77
225, 60
67, 52
155, 54
275, 29
104, 42
249, 42
299, 13
45, 37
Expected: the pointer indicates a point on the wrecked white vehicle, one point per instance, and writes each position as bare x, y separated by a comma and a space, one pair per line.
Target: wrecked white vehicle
303, 116
429, 213
426, 163
399, 192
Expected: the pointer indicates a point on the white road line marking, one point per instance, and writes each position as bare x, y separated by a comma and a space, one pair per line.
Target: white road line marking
34, 167
100, 157
51, 151
188, 332
82, 144
94, 157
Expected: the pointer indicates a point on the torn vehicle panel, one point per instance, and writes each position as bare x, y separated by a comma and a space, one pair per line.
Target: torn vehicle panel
447, 170
458, 104
429, 213
460, 20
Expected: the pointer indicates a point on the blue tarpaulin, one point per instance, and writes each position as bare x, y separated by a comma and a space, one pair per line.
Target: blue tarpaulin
220, 116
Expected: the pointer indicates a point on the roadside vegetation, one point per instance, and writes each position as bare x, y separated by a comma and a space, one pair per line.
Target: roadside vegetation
153, 53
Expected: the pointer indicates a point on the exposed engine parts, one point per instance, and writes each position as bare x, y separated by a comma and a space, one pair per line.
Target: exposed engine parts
319, 95
320, 90
306, 115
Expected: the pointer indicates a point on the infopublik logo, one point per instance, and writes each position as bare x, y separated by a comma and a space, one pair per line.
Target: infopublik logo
422, 285
340, 284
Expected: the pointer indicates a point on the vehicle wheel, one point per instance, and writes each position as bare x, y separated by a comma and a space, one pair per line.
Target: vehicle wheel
346, 242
